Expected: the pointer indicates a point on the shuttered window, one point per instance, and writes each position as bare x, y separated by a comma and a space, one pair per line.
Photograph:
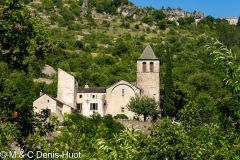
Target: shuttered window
93, 106
79, 106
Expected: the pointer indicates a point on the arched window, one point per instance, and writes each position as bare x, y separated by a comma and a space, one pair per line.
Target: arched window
144, 67
151, 66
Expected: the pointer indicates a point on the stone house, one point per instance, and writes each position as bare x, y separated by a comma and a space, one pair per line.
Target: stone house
231, 20
104, 100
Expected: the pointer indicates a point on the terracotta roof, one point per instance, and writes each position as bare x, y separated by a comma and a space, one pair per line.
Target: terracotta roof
148, 53
92, 90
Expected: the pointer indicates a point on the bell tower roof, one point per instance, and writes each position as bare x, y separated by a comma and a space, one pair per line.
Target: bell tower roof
148, 54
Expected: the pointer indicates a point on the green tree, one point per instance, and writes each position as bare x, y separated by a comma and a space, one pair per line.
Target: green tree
227, 60
144, 105
20, 35
168, 101
159, 15
238, 23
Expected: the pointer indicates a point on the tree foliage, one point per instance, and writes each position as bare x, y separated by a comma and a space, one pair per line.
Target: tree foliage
20, 35
227, 59
144, 105
168, 101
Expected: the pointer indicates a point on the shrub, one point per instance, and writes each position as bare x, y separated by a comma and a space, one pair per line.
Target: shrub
120, 116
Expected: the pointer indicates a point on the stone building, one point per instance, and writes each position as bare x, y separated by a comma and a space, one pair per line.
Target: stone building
231, 20
104, 100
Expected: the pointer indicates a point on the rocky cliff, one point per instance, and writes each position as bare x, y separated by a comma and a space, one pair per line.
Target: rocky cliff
180, 13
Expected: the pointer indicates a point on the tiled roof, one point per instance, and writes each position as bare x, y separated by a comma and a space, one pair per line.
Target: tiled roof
92, 90
148, 53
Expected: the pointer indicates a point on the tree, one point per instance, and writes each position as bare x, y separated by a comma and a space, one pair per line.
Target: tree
159, 15
238, 23
168, 101
146, 106
227, 60
23, 44
20, 35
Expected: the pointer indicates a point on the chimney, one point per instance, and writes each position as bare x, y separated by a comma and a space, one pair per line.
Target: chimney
41, 93
86, 86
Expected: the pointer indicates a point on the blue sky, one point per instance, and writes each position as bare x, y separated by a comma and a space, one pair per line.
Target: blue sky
215, 8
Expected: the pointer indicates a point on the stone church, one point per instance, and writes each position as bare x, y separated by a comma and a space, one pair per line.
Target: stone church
103, 100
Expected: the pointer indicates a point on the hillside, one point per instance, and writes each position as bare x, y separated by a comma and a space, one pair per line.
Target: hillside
98, 42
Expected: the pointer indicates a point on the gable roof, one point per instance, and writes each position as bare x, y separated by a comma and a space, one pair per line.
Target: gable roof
55, 99
134, 84
92, 90
148, 53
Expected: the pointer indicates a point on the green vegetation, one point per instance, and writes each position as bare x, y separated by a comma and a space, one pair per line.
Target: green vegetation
144, 105
199, 85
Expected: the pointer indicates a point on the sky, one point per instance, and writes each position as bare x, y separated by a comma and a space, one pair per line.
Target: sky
215, 8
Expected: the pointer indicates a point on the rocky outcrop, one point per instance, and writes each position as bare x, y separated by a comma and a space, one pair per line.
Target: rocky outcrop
174, 12
132, 13
180, 13
85, 3
48, 70
198, 15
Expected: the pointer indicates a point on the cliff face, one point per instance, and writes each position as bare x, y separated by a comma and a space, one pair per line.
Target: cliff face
180, 13
138, 12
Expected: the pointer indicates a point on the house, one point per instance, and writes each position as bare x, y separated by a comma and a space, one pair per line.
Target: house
231, 20
52, 106
104, 100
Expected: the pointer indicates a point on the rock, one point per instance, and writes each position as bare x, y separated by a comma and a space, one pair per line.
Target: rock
131, 13
48, 70
174, 12
45, 80
85, 3
180, 13
198, 15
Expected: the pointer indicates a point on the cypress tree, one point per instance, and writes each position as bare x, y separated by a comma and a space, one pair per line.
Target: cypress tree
168, 101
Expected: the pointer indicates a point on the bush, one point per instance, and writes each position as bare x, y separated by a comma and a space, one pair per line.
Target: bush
120, 116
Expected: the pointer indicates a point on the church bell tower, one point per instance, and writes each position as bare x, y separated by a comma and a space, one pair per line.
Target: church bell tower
148, 68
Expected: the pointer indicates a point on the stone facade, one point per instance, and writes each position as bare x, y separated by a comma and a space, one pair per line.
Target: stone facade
118, 96
67, 88
231, 20
104, 100
148, 74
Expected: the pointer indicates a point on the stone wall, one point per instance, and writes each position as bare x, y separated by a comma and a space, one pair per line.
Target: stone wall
143, 126
148, 81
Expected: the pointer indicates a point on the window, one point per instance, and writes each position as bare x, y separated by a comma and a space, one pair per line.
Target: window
93, 106
151, 66
122, 109
144, 67
79, 106
80, 96
93, 96
48, 100
122, 92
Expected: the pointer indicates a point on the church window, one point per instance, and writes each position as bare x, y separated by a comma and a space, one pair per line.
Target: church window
122, 92
93, 96
93, 106
122, 109
80, 96
151, 66
79, 106
144, 67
